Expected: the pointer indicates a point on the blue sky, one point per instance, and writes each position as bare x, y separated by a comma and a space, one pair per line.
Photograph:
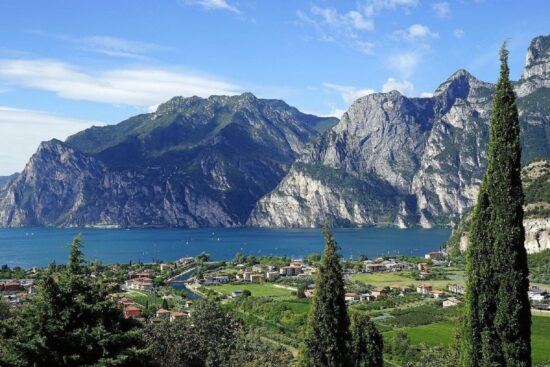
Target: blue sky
65, 65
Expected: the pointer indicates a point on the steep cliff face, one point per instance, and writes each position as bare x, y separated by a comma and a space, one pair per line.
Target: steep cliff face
194, 162
537, 67
428, 154
536, 187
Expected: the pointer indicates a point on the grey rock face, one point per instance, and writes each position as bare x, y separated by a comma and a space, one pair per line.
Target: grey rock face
393, 160
537, 67
193, 163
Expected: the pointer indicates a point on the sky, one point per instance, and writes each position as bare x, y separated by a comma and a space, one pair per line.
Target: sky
66, 65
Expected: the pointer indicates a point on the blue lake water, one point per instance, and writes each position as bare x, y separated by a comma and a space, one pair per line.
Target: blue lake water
29, 247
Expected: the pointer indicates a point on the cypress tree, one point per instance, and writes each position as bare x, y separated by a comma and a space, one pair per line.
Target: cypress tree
498, 320
367, 346
327, 338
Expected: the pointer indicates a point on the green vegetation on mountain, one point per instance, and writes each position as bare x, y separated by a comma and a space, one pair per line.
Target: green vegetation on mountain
497, 325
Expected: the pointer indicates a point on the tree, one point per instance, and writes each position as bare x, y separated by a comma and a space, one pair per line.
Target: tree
202, 257
497, 320
164, 303
70, 322
327, 336
206, 339
367, 346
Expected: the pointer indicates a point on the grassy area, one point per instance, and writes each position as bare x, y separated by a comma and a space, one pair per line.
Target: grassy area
143, 298
257, 290
403, 279
442, 333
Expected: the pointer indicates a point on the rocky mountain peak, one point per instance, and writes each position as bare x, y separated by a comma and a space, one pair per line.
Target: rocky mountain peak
538, 51
457, 85
536, 74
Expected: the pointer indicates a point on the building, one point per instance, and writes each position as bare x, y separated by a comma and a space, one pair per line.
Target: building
366, 297
296, 263
144, 284
258, 268
351, 297
457, 289
143, 274
188, 304
424, 289
373, 267
10, 286
257, 278
216, 279
437, 294
423, 267
164, 267
272, 275
132, 312
290, 271
162, 313
451, 302
377, 292
393, 265
175, 315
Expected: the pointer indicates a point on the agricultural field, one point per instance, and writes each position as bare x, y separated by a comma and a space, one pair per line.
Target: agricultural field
443, 333
257, 290
404, 278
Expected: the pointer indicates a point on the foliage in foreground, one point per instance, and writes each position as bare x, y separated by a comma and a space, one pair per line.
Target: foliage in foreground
498, 319
71, 322
329, 341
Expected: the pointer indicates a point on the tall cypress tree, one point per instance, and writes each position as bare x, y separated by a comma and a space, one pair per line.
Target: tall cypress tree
498, 320
328, 337
367, 346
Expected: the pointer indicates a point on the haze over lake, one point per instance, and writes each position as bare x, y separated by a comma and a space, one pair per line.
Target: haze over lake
29, 247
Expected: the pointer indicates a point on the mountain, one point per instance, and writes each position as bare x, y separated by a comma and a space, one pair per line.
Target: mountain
536, 187
4, 180
193, 163
393, 160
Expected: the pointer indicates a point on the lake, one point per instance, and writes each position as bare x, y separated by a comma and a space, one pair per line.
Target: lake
27, 247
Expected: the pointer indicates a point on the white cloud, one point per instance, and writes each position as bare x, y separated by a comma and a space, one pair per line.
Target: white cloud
416, 32
374, 6
135, 87
348, 93
346, 23
106, 45
405, 87
344, 28
23, 130
426, 95
459, 33
212, 5
405, 62
442, 10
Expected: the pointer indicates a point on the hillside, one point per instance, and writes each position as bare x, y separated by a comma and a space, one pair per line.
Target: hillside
399, 161
193, 163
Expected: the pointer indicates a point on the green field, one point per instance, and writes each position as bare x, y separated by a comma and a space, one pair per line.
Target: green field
442, 333
402, 279
257, 290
